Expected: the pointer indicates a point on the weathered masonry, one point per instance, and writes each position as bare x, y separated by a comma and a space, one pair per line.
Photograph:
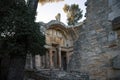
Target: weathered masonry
97, 50
93, 47
59, 46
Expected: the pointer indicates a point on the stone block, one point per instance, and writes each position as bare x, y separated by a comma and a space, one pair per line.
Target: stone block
116, 62
112, 36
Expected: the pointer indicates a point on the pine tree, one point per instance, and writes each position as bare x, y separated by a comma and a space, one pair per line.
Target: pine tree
74, 13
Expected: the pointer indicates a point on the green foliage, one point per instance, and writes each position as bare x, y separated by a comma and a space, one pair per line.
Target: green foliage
19, 33
74, 13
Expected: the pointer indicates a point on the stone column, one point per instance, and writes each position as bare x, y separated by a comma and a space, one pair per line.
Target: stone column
44, 61
55, 59
33, 62
47, 60
40, 62
51, 61
67, 58
59, 55
29, 61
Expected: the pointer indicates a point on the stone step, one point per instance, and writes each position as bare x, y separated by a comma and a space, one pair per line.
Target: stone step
60, 75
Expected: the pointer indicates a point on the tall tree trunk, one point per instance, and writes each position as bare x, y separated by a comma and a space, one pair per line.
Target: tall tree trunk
35, 5
0, 67
4, 66
17, 67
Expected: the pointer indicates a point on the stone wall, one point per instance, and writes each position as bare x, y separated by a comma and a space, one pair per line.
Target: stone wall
115, 9
98, 44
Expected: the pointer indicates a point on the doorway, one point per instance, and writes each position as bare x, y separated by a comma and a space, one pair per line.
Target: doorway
63, 60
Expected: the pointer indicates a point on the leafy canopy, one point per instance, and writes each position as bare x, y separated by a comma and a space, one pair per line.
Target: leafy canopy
74, 13
19, 34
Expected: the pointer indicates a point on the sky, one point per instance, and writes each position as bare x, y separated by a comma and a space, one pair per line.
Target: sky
48, 11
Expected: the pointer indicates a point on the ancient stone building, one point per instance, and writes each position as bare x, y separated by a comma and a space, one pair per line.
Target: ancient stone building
97, 50
59, 46
93, 47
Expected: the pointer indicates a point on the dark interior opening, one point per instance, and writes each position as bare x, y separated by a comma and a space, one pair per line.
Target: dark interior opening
64, 60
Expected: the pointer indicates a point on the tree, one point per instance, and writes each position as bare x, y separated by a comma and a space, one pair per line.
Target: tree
19, 35
74, 13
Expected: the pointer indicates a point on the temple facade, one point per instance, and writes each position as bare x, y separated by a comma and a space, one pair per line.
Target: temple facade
59, 46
